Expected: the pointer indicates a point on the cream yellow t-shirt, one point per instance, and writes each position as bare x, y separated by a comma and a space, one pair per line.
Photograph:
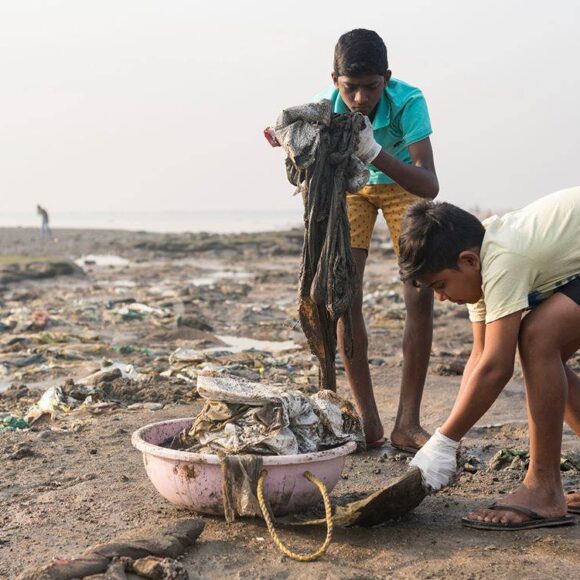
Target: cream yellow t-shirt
527, 254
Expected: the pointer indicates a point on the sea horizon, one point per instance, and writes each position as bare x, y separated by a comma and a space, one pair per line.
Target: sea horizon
211, 221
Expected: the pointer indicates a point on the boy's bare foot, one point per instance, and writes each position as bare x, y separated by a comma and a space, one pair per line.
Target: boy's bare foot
412, 438
573, 501
373, 429
546, 503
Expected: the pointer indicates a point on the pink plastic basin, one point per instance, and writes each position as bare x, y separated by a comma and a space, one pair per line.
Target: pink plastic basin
193, 480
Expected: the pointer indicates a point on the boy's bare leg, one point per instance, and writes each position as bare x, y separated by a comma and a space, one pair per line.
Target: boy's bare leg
572, 414
357, 368
546, 333
417, 339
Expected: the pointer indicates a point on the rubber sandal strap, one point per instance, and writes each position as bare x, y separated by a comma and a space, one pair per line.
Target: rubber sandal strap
517, 508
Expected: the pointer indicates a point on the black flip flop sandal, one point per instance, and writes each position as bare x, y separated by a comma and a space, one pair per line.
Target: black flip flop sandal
535, 520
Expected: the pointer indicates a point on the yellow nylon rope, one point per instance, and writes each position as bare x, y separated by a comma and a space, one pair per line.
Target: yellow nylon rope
329, 523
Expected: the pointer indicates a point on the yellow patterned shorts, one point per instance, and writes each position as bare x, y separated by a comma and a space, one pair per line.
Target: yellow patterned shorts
364, 205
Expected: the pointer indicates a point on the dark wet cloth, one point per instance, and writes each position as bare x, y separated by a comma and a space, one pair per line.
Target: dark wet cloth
240, 475
321, 163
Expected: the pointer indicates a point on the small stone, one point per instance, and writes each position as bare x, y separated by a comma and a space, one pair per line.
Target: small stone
22, 452
452, 368
92, 451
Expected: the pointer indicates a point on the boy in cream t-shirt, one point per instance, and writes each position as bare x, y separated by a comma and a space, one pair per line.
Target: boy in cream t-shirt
527, 261
528, 254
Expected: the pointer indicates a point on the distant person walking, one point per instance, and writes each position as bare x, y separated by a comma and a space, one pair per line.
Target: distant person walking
45, 228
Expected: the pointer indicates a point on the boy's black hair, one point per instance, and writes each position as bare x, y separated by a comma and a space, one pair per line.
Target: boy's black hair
432, 237
359, 52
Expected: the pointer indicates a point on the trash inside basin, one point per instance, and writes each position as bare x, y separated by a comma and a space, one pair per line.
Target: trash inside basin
194, 480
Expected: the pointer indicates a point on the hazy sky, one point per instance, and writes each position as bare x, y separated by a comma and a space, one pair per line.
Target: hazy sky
150, 105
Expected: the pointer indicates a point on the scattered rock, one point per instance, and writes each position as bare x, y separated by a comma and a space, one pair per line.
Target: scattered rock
22, 452
451, 368
30, 269
103, 376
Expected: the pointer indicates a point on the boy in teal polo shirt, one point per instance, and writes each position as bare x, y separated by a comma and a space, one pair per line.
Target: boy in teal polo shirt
402, 170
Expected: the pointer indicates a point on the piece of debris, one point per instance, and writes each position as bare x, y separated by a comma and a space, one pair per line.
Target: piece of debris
149, 555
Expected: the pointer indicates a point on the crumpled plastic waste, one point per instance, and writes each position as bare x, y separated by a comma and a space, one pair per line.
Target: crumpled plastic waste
186, 364
93, 392
242, 417
86, 392
127, 371
187, 356
12, 423
23, 319
518, 460
509, 459
183, 364
110, 371
53, 400
137, 311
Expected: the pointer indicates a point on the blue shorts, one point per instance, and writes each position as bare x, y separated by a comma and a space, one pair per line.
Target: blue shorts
571, 289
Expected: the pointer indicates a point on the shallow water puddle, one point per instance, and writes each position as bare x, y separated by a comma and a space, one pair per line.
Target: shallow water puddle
242, 343
102, 260
212, 277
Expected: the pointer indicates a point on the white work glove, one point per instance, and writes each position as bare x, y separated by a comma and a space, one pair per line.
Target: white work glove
368, 148
437, 460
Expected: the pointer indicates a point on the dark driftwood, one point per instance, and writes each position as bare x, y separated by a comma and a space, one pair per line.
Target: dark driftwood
391, 502
171, 541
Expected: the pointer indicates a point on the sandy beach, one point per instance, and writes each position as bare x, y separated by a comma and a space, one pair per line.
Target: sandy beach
70, 307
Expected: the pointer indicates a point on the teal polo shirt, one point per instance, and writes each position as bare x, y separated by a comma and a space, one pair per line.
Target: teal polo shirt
401, 119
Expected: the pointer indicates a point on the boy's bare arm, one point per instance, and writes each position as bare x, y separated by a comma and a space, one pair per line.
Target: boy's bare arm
419, 178
478, 329
486, 381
